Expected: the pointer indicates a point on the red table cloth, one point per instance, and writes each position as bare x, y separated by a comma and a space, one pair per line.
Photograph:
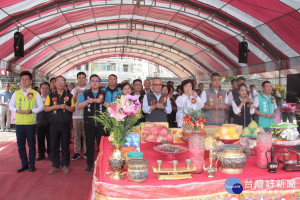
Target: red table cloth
257, 183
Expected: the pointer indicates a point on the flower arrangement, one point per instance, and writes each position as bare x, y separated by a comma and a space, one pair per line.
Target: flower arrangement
120, 117
279, 94
193, 122
288, 107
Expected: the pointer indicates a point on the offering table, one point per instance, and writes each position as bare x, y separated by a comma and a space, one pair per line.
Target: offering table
257, 183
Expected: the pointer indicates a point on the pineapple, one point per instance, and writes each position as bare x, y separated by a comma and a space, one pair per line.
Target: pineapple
194, 114
191, 126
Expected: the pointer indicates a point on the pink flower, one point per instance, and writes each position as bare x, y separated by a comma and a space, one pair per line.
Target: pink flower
128, 109
130, 97
113, 110
278, 95
137, 104
116, 112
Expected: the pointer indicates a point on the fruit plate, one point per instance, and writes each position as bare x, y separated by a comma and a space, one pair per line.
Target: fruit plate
169, 151
159, 143
284, 125
229, 141
281, 146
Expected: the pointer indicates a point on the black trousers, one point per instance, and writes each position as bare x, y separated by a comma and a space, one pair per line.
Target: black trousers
26, 133
92, 133
60, 138
288, 116
43, 132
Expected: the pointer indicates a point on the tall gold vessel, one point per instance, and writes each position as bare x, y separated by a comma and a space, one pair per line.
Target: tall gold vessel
116, 163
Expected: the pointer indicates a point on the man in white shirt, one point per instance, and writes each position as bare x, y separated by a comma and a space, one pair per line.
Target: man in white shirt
252, 93
78, 123
26, 103
138, 88
147, 86
5, 97
156, 105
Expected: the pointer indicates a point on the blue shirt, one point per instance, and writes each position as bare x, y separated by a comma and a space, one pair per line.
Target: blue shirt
4, 96
146, 107
82, 99
111, 95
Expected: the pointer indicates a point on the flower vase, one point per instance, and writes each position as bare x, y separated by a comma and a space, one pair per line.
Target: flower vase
264, 143
196, 151
116, 163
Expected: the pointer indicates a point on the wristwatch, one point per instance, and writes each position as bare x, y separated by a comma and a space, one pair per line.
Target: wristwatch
30, 111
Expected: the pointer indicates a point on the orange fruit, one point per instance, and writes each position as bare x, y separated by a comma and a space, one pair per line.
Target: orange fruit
224, 130
225, 137
234, 135
231, 130
217, 134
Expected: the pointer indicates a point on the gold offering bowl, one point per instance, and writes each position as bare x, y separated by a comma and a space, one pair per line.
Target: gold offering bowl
232, 158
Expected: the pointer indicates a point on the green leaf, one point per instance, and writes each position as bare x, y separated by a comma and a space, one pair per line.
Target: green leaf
119, 128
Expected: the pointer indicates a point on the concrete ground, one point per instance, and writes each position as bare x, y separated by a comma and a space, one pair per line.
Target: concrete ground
7, 136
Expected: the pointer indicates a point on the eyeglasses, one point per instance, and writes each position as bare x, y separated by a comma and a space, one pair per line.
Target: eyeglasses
157, 84
60, 81
94, 81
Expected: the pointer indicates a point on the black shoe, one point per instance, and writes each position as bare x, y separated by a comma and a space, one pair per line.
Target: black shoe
23, 168
89, 169
40, 158
32, 168
76, 156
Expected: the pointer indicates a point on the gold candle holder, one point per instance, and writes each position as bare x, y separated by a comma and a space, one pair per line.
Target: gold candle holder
174, 163
159, 163
175, 172
188, 163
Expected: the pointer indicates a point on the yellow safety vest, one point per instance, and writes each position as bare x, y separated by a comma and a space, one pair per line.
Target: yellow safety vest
25, 103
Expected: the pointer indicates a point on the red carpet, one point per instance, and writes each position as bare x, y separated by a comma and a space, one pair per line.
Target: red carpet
40, 185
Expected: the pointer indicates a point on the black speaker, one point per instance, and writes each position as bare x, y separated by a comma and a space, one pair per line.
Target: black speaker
19, 44
243, 52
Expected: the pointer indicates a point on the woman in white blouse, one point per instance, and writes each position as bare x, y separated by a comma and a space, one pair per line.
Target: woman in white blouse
189, 99
242, 107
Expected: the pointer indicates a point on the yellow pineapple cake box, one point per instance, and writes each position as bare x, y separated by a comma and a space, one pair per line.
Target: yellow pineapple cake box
136, 129
144, 130
177, 134
165, 124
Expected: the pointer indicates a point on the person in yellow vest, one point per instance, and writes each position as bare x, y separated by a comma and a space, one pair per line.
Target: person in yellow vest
60, 106
26, 103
